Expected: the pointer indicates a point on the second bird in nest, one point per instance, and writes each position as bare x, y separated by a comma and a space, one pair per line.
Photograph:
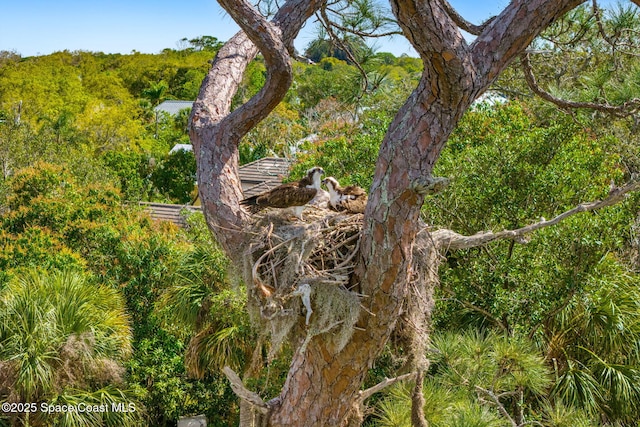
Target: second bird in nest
351, 199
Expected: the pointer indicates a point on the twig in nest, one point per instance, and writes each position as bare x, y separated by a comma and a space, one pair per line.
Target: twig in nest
266, 289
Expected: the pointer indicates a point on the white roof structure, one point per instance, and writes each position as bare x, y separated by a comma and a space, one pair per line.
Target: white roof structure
173, 107
178, 147
263, 174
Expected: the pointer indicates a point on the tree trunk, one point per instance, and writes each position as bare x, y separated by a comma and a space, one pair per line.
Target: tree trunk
323, 385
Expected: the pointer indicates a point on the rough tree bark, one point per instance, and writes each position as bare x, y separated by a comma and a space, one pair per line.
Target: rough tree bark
322, 387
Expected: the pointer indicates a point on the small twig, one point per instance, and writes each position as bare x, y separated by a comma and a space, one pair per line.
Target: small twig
256, 265
498, 405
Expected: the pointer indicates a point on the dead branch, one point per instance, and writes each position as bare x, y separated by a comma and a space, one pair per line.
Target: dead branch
448, 239
365, 394
243, 393
496, 401
623, 110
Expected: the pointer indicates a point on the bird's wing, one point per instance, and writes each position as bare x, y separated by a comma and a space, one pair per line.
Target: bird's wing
353, 191
286, 196
356, 204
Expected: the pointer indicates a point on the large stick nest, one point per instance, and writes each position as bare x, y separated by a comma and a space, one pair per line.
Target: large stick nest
298, 273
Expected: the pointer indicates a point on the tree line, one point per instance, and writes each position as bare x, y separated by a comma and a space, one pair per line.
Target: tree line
539, 330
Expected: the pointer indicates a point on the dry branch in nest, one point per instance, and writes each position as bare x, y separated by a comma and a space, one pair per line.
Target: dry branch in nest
297, 275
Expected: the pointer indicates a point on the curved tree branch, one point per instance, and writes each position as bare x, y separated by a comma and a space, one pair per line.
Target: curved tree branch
243, 393
623, 110
216, 132
447, 239
268, 38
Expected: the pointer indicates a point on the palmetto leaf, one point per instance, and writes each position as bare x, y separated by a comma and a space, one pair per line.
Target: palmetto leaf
57, 329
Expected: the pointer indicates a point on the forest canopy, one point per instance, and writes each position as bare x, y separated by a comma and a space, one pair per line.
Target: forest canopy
541, 331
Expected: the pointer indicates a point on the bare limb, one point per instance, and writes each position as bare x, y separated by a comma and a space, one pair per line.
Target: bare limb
498, 404
626, 109
365, 394
243, 393
451, 240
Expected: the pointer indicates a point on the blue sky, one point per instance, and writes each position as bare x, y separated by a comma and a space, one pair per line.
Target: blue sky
40, 27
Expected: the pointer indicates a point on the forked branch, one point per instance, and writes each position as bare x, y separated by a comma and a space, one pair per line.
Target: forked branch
463, 23
365, 394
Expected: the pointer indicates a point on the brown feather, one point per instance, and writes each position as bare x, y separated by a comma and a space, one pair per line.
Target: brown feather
357, 205
286, 196
352, 199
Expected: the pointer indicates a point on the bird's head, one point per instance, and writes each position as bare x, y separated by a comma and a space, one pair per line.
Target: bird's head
331, 183
315, 171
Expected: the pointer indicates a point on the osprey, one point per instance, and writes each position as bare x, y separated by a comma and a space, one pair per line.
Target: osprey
352, 198
290, 195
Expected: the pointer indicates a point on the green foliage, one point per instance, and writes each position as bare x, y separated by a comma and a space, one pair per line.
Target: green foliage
201, 306
593, 345
209, 43
132, 170
42, 180
55, 222
471, 375
502, 164
565, 289
489, 362
444, 407
323, 49
36, 247
332, 79
175, 176
351, 157
58, 332
91, 115
109, 406
157, 372
252, 81
274, 136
